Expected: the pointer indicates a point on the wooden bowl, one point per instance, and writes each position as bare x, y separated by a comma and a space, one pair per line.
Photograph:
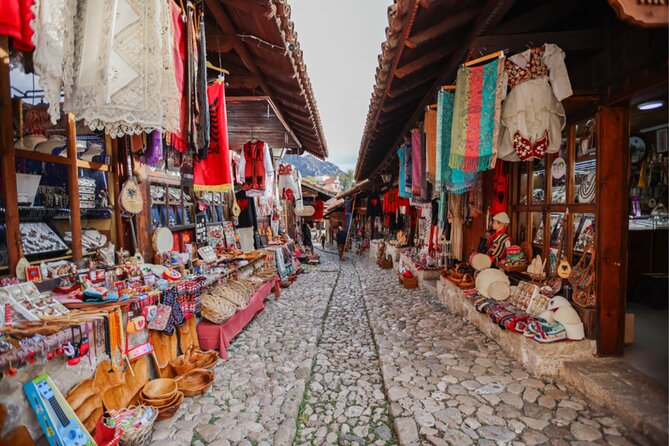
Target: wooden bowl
158, 402
168, 411
160, 388
205, 359
195, 382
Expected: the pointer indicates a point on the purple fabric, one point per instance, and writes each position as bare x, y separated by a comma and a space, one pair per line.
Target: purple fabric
154, 149
416, 166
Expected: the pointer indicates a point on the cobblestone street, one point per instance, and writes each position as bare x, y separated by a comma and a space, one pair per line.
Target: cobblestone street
347, 356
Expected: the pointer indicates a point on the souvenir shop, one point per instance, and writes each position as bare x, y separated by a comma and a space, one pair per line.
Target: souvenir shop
144, 208
507, 192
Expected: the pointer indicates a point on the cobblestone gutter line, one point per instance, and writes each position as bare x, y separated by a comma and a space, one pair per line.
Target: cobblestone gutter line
345, 403
448, 384
257, 392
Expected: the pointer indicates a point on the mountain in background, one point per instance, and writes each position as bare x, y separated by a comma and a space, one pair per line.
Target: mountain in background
310, 166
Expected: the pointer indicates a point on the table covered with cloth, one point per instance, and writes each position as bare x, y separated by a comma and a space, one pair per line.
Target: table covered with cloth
218, 336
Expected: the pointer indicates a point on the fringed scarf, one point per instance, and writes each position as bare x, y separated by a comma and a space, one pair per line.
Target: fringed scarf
416, 165
404, 176
431, 144
452, 180
476, 116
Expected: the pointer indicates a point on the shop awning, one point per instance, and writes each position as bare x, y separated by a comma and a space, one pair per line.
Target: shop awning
427, 40
309, 188
256, 42
257, 117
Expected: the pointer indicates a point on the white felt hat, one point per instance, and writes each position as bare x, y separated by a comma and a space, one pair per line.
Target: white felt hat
558, 302
547, 316
575, 332
502, 217
499, 290
480, 261
566, 315
487, 277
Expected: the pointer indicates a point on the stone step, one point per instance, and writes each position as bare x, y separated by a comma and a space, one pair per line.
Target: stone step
637, 400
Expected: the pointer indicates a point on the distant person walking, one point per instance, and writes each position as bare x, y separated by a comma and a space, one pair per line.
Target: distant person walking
341, 241
323, 239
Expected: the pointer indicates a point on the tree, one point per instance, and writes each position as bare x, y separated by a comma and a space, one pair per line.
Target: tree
347, 180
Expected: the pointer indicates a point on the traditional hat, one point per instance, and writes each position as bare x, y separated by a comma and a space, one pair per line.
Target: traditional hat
488, 276
558, 302
499, 290
480, 261
502, 217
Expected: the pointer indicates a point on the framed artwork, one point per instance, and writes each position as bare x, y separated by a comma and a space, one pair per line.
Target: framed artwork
33, 274
661, 140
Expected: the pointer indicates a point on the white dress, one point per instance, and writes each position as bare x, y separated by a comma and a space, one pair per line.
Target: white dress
532, 114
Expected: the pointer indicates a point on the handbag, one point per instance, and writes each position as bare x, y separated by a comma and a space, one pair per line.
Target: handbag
159, 322
582, 279
136, 324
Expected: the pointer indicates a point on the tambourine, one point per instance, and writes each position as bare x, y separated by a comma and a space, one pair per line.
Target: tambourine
162, 240
171, 274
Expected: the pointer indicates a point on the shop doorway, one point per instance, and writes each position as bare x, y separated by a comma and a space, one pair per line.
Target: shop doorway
646, 332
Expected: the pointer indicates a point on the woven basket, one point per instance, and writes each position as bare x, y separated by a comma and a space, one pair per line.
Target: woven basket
386, 263
409, 282
196, 382
512, 268
132, 435
216, 309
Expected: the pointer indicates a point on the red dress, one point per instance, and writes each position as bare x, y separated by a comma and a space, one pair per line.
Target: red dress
254, 167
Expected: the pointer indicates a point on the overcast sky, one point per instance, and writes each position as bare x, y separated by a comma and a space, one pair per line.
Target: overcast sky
341, 41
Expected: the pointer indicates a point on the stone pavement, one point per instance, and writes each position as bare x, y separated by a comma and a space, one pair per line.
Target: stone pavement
347, 356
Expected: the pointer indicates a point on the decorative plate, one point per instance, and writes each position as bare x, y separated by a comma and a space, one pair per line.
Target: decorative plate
637, 149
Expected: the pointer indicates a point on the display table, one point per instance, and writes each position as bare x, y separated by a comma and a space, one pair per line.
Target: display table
421, 274
540, 359
218, 336
374, 247
394, 252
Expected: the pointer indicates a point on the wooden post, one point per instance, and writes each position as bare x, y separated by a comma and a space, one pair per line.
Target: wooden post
611, 232
8, 161
73, 187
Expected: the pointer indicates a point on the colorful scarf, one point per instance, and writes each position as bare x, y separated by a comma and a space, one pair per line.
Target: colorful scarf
476, 117
213, 173
416, 166
404, 154
431, 144
452, 180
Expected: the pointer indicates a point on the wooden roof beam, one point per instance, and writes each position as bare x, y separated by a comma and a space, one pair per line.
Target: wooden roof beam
399, 103
250, 6
413, 83
492, 12
220, 43
449, 24
226, 25
582, 40
543, 15
241, 81
422, 62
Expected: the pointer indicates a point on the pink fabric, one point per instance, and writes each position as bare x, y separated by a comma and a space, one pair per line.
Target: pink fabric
218, 337
416, 164
472, 150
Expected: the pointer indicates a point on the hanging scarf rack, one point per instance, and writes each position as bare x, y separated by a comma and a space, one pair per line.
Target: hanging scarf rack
485, 58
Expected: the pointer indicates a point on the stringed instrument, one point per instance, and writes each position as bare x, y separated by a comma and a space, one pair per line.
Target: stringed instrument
132, 203
563, 267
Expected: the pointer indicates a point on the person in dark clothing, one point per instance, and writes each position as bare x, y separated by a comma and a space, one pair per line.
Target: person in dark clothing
341, 241
306, 236
323, 239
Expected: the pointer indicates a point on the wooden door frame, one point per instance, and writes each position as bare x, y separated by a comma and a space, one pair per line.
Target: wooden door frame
612, 228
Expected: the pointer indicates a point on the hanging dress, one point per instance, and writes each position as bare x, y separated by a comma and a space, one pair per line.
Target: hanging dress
532, 114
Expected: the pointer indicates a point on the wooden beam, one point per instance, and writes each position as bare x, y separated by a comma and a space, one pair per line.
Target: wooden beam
241, 81
226, 25
13, 237
220, 43
582, 40
424, 61
411, 84
449, 24
490, 15
611, 234
399, 103
250, 6
544, 14
73, 187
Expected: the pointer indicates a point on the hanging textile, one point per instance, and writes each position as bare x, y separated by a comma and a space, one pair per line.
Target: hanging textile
452, 180
213, 173
532, 115
154, 149
430, 120
201, 88
256, 166
52, 58
476, 114
405, 170
416, 166
15, 23
124, 80
318, 210
288, 188
456, 219
179, 140
499, 187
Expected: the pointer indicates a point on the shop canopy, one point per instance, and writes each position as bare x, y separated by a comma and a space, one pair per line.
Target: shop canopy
427, 40
255, 41
313, 190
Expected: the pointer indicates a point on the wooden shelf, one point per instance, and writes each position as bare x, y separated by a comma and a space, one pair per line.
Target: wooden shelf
93, 166
158, 177
43, 157
181, 227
